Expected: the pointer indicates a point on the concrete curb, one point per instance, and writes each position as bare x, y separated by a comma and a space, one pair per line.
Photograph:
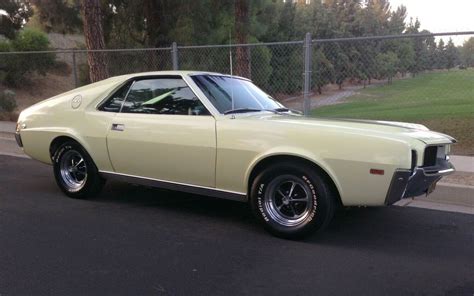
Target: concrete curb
455, 185
439, 206
7, 127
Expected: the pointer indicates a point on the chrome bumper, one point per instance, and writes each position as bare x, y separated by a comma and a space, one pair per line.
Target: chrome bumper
419, 181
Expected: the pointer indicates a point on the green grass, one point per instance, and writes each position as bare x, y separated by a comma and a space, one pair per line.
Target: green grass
443, 101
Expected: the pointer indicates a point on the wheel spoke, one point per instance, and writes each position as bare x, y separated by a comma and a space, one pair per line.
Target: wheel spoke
293, 210
79, 162
281, 193
300, 199
74, 176
293, 184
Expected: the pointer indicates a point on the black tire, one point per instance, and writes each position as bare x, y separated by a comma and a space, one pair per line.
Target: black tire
75, 172
282, 210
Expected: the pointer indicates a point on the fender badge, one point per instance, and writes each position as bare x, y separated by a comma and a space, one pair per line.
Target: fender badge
76, 102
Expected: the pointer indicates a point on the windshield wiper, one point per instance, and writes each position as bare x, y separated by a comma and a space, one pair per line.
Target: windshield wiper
245, 110
284, 109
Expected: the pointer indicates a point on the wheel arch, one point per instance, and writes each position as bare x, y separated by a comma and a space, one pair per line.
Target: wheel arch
61, 139
263, 162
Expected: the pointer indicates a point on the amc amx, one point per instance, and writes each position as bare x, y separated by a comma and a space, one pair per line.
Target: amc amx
221, 136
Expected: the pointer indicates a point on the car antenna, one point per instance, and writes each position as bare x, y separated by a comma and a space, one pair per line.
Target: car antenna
230, 61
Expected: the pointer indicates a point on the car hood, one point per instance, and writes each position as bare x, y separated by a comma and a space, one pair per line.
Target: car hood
374, 127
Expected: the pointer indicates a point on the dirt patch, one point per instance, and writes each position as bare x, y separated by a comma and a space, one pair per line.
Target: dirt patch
331, 94
40, 88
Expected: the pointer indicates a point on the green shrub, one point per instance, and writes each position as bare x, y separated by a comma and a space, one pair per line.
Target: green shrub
260, 65
4, 46
17, 67
7, 101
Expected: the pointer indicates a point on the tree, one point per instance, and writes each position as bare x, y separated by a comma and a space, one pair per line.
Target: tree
61, 16
418, 46
94, 36
431, 52
323, 70
341, 66
387, 65
396, 23
17, 13
441, 59
406, 56
467, 53
452, 55
242, 53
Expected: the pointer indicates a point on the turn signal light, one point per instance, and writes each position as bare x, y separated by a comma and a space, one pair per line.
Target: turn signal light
377, 172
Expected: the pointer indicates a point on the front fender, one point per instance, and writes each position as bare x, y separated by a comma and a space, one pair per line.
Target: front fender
293, 152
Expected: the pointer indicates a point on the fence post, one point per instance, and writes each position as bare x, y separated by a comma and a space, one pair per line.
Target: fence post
174, 55
74, 68
307, 74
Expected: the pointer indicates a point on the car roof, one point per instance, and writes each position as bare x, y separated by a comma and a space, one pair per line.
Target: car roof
179, 72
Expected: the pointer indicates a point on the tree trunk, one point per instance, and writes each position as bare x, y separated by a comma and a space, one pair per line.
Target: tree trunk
153, 12
94, 35
241, 31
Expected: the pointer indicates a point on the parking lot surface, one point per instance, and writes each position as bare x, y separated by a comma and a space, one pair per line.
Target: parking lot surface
134, 240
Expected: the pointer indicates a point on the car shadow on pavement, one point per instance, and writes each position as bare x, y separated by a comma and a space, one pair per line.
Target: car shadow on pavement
386, 229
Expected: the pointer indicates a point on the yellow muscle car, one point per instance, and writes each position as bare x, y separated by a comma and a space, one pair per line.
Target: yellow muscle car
222, 136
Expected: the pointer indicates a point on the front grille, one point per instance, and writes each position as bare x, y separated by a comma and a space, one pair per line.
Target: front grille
430, 156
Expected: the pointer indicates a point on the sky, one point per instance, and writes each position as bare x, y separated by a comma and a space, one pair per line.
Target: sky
439, 16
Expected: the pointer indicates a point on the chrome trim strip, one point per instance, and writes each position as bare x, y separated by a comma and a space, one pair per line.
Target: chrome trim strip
446, 171
195, 189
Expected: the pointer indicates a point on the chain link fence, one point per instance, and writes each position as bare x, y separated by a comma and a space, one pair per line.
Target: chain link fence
416, 78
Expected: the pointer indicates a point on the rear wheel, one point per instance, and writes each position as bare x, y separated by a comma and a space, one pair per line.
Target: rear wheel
75, 172
292, 199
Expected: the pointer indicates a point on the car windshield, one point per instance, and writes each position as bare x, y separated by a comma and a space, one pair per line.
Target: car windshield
233, 95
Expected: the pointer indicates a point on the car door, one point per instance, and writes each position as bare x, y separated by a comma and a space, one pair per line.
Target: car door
163, 132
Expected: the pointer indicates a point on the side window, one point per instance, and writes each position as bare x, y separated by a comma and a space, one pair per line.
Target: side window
163, 96
114, 103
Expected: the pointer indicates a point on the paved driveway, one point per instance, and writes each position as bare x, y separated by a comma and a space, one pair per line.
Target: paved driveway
141, 241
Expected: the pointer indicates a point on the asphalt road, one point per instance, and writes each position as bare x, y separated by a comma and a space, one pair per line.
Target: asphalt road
140, 241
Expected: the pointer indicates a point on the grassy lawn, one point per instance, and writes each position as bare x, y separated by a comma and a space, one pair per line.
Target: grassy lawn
443, 101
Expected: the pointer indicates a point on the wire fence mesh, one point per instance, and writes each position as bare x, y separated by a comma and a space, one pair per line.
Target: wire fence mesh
422, 78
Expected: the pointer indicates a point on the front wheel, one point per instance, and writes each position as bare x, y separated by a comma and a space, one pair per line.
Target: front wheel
292, 199
75, 172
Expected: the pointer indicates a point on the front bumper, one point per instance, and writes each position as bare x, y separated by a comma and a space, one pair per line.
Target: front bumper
420, 180
18, 139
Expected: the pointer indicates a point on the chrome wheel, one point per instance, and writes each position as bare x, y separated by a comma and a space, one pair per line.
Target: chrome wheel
73, 170
288, 200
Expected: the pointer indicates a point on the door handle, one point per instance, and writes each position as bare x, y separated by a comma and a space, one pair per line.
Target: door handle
118, 127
